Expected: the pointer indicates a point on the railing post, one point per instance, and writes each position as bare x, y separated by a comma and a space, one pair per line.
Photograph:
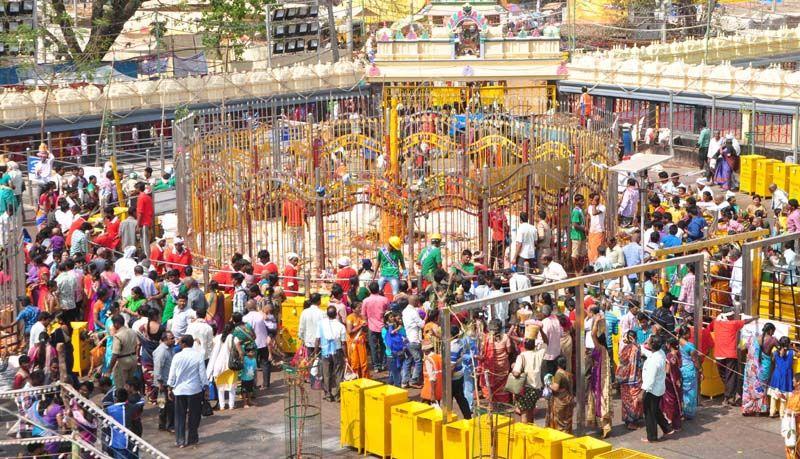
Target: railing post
161, 150
447, 373
147, 157
319, 225
206, 273
580, 360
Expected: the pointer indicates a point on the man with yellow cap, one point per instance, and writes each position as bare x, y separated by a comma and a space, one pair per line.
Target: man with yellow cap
430, 259
391, 264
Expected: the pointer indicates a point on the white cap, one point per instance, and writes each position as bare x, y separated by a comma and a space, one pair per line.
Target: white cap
344, 261
291, 255
177, 240
730, 194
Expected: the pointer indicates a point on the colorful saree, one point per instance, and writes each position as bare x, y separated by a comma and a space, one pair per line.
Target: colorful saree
689, 381
673, 396
629, 377
598, 403
756, 378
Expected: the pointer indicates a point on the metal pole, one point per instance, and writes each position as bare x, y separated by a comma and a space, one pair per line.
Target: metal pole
664, 21
485, 213
580, 349
350, 28
710, 8
745, 303
698, 300
447, 374
332, 32
161, 151
267, 21
712, 121
796, 133
147, 157
671, 125
320, 225
410, 215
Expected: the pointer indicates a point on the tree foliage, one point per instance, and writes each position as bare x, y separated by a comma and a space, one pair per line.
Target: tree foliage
230, 24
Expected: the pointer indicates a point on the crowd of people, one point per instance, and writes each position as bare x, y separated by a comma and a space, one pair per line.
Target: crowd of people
161, 339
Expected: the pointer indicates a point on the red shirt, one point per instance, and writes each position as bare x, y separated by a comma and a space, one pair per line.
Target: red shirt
157, 258
706, 341
726, 333
290, 282
145, 211
343, 277
498, 223
264, 270
179, 261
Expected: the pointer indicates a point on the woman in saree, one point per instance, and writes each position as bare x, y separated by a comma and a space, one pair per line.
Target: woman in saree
757, 370
691, 369
598, 403
562, 401
629, 378
793, 410
726, 165
149, 338
672, 399
357, 342
109, 238
720, 295
216, 305
496, 361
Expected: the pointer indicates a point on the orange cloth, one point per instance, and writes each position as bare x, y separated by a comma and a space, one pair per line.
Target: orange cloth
594, 243
75, 225
793, 404
344, 275
357, 345
294, 212
110, 237
432, 366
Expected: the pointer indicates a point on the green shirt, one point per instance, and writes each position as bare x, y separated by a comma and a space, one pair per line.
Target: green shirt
430, 259
468, 268
705, 138
7, 199
579, 218
390, 268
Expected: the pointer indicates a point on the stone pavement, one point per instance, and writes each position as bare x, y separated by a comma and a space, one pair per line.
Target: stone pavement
258, 432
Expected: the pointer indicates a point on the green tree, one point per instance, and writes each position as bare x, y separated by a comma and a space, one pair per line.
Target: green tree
230, 24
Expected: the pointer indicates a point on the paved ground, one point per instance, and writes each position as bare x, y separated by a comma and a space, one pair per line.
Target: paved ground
258, 432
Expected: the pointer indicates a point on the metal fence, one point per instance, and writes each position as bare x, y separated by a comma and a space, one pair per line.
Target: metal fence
12, 277
338, 177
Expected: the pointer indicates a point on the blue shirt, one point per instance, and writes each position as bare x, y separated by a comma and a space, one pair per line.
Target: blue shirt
248, 372
695, 228
187, 374
649, 296
634, 254
612, 327
670, 241
28, 316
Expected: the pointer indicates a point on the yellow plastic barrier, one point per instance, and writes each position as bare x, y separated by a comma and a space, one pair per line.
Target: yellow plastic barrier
81, 349
624, 453
780, 175
747, 174
482, 432
428, 434
512, 444
545, 444
764, 176
583, 448
351, 423
456, 440
403, 420
378, 403
794, 182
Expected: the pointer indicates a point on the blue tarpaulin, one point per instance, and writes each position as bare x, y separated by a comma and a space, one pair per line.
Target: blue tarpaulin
8, 76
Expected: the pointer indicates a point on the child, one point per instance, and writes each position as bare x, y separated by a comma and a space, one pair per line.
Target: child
780, 385
28, 315
248, 377
394, 337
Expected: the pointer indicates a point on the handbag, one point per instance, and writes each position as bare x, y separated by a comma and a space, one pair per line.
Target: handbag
349, 374
515, 384
206, 409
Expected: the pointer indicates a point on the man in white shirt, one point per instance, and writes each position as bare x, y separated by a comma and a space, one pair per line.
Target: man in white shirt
202, 333
181, 317
413, 324
40, 326
188, 383
330, 343
309, 323
779, 198
654, 375
703, 185
736, 273
525, 243
143, 282
552, 271
597, 225
517, 282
